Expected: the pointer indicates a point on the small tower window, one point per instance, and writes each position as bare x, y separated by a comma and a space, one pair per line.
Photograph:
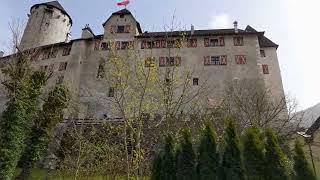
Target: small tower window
262, 53
121, 15
111, 92
120, 29
195, 81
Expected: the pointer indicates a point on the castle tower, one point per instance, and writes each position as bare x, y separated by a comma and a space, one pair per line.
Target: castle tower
48, 23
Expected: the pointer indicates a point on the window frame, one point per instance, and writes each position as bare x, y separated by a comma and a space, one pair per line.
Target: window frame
238, 41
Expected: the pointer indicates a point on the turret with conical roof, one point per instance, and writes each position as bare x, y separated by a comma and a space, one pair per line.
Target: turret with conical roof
48, 23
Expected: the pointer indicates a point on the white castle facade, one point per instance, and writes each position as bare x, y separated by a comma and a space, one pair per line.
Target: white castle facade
222, 54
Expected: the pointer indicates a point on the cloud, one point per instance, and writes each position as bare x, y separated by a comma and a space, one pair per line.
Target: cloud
221, 20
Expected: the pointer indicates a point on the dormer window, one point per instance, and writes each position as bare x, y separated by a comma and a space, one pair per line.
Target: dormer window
120, 29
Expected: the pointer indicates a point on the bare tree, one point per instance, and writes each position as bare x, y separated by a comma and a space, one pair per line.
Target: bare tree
252, 104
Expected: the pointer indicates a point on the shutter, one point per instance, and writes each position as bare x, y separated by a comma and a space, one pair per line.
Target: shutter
51, 68
143, 44
189, 43
265, 69
206, 42
127, 29
178, 61
112, 29
206, 60
194, 43
237, 59
118, 45
221, 41
131, 44
223, 60
162, 61
243, 59
158, 45
163, 43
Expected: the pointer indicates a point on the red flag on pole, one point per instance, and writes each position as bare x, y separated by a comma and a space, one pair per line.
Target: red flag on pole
123, 3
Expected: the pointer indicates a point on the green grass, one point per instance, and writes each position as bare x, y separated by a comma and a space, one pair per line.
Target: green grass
40, 174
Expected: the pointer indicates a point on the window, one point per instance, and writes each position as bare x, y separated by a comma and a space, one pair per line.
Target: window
54, 53
120, 29
192, 43
170, 44
35, 56
169, 61
265, 69
195, 81
241, 59
60, 79
150, 62
121, 15
125, 45
66, 51
238, 41
63, 66
101, 72
215, 60
111, 92
51, 68
104, 46
214, 42
262, 53
46, 55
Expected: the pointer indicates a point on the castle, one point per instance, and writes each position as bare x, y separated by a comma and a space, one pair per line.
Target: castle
223, 54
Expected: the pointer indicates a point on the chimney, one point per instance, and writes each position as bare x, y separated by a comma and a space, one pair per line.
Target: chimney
1, 54
235, 24
192, 29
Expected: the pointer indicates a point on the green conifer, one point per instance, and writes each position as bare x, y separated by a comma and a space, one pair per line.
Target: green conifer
186, 163
208, 160
231, 160
168, 160
277, 163
301, 166
253, 155
156, 167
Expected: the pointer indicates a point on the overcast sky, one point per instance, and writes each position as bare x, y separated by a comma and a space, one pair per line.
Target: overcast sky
293, 24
